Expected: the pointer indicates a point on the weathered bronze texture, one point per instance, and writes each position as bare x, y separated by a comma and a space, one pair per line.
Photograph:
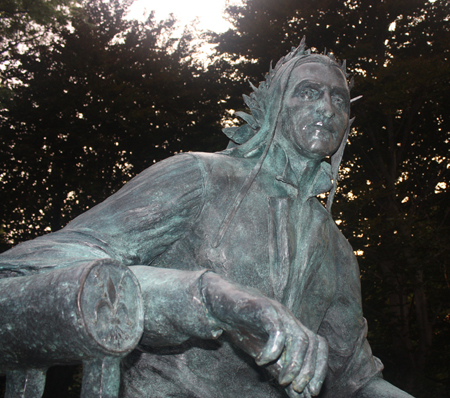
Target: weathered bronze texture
249, 288
86, 313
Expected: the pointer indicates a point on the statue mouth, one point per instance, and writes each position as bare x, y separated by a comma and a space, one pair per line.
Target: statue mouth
321, 130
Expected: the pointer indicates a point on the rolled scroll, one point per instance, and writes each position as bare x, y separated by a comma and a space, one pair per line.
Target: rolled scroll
83, 313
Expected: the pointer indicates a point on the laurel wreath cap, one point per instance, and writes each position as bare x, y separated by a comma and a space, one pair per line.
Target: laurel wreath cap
259, 101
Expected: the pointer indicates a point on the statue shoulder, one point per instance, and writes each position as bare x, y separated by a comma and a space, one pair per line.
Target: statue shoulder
196, 173
219, 164
173, 171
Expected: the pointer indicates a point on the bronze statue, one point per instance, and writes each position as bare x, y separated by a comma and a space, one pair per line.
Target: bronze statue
249, 288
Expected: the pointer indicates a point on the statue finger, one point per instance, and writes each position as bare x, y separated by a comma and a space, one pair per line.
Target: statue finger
291, 362
294, 394
309, 365
273, 348
321, 367
306, 393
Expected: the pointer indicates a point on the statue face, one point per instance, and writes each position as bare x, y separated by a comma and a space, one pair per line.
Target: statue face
315, 110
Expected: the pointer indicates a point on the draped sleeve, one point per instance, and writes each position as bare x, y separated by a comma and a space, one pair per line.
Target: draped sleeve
135, 226
351, 364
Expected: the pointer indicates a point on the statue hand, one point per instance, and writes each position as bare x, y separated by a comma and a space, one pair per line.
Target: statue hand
270, 333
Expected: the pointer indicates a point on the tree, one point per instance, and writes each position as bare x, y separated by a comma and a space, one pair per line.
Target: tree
24, 22
108, 98
393, 202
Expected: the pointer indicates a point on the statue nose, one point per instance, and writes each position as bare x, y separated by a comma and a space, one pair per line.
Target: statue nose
326, 107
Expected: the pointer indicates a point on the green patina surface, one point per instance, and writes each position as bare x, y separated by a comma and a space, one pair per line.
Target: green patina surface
249, 288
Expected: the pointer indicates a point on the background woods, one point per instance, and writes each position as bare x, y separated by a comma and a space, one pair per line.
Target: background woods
106, 99
98, 98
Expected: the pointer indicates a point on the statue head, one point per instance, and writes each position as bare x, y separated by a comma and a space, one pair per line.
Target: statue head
270, 104
304, 101
315, 109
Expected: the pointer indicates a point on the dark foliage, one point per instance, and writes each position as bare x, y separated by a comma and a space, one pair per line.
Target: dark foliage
107, 99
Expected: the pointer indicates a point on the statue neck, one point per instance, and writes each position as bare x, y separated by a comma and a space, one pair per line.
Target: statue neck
284, 160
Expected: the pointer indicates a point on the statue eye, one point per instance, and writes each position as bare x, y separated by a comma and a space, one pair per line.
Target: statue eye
309, 94
338, 100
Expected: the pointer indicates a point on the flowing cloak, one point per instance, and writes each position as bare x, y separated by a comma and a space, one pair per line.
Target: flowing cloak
281, 241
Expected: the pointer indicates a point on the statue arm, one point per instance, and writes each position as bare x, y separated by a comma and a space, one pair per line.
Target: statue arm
353, 370
134, 226
351, 364
174, 306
